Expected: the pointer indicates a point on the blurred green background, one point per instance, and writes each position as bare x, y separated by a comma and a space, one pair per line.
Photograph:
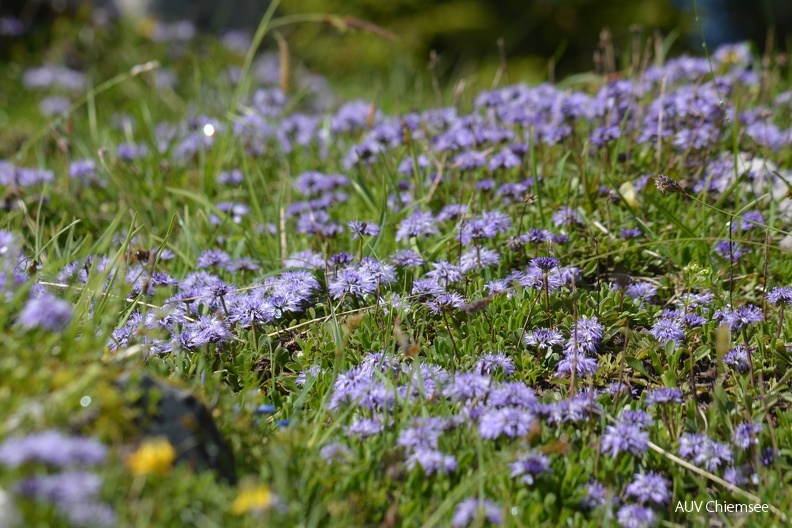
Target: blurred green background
540, 37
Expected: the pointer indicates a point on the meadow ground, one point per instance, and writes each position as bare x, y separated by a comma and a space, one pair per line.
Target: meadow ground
535, 305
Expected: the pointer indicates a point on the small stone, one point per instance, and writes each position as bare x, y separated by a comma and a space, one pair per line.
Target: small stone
177, 415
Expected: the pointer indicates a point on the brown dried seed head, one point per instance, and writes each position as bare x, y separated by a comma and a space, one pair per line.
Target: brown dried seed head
665, 184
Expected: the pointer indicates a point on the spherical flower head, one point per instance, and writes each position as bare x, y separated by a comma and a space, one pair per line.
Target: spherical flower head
663, 395
492, 363
74, 494
543, 338
467, 386
444, 302
529, 466
729, 250
423, 434
667, 329
780, 295
364, 427
631, 233
155, 455
352, 282
334, 452
432, 461
51, 447
583, 365
703, 451
207, 329
586, 335
9, 243
650, 487
624, 437
309, 373
470, 510
361, 229
232, 177
513, 394
596, 496
642, 291
747, 434
566, 216
340, 259
743, 316
418, 225
428, 287
508, 421
83, 170
545, 263
627, 435
478, 258
407, 259
498, 286
737, 358
485, 185
89, 513
767, 456
635, 516
213, 258
505, 159
693, 320
445, 273
45, 311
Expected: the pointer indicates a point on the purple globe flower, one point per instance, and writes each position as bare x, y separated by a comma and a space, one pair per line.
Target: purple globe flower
361, 229
492, 363
529, 466
780, 295
507, 421
407, 259
47, 312
545, 263
467, 386
747, 434
650, 487
635, 516
623, 437
667, 329
703, 451
663, 395
747, 315
596, 496
432, 461
543, 338
335, 452
51, 447
469, 510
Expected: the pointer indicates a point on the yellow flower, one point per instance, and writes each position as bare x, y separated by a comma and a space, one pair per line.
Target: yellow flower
154, 455
252, 499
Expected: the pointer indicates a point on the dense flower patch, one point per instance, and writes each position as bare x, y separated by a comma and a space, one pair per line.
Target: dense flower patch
552, 305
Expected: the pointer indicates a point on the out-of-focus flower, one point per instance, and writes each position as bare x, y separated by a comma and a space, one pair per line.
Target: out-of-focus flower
45, 311
253, 499
155, 455
469, 510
